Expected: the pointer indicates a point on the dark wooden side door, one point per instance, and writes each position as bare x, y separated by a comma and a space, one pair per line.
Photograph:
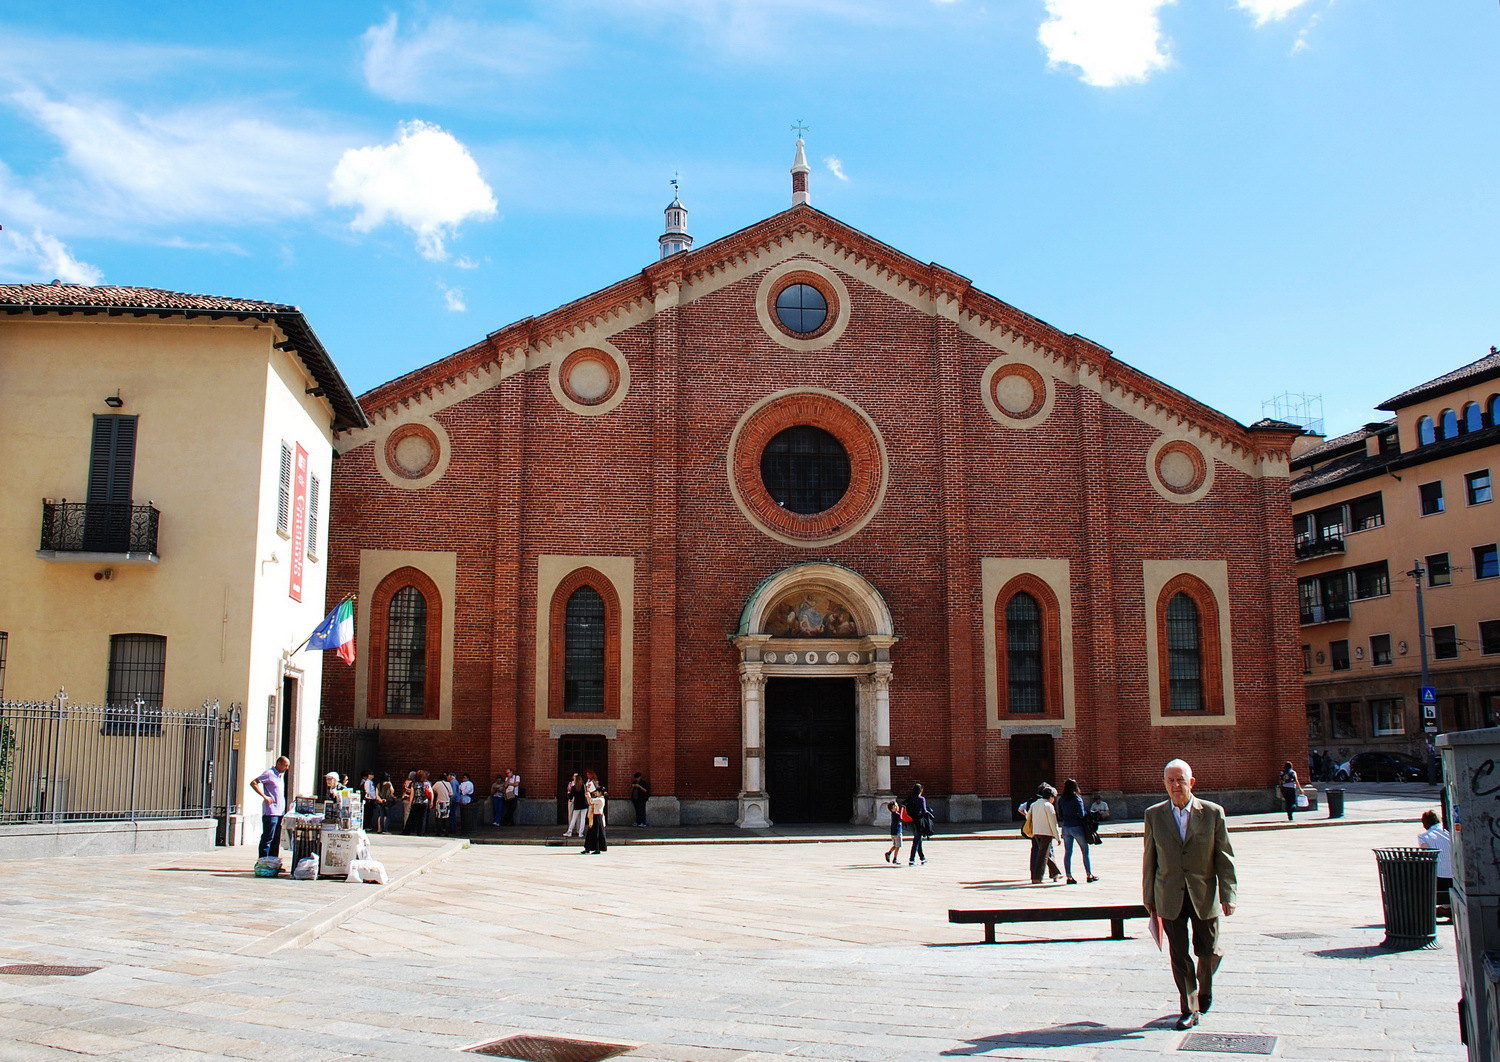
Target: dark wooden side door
1032, 762
579, 752
810, 769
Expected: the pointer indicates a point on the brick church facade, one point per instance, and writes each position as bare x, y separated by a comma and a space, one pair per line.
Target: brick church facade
791, 521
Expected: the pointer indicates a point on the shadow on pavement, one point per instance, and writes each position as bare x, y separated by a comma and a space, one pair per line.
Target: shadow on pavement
1074, 1034
1367, 952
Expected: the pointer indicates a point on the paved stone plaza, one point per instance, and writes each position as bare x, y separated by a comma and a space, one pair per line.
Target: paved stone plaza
709, 952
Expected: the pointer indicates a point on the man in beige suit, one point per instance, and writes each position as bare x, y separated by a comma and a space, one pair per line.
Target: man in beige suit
1187, 879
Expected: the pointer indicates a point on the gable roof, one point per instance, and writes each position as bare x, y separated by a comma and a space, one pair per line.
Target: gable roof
66, 299
1478, 371
523, 344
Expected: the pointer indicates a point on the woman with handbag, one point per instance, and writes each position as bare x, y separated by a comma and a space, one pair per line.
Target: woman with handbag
1289, 788
1074, 821
916, 808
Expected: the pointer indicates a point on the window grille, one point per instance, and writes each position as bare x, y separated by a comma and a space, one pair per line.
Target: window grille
1184, 655
583, 657
1023, 654
406, 653
805, 469
801, 308
137, 680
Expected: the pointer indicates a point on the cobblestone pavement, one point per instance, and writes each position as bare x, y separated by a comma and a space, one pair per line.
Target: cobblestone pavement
708, 952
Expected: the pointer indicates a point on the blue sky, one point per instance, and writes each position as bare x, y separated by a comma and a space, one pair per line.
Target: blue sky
1240, 197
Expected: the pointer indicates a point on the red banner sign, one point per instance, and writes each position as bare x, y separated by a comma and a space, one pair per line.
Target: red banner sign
299, 522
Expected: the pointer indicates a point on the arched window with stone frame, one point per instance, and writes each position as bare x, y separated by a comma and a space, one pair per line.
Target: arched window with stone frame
584, 661
406, 623
1190, 666
1028, 647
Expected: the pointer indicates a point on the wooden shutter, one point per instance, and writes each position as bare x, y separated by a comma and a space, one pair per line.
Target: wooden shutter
112, 460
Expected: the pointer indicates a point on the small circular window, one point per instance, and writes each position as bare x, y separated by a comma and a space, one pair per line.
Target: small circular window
801, 308
805, 469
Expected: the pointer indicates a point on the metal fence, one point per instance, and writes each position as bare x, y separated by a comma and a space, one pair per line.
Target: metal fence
61, 762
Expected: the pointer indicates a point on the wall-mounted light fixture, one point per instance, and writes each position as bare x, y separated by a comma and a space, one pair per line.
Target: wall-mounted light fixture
114, 401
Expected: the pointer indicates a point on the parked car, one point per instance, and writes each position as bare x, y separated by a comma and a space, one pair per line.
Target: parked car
1381, 767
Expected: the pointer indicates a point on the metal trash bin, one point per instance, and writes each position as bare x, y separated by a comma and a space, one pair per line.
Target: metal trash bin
1408, 893
1335, 803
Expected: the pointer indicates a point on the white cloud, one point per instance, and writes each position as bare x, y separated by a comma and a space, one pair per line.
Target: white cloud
465, 262
453, 298
208, 162
1264, 11
836, 167
41, 257
449, 59
425, 180
1111, 42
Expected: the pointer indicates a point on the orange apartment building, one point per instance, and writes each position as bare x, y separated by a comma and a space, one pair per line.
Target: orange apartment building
1397, 569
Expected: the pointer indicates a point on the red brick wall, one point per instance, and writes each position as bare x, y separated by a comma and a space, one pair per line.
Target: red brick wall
648, 479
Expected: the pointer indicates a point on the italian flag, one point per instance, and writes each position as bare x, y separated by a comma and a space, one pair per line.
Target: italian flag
336, 631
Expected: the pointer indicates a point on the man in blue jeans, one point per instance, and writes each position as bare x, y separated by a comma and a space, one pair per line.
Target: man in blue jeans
270, 785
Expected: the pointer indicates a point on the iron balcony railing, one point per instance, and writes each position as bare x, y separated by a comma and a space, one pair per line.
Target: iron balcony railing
1324, 613
1308, 548
93, 527
61, 762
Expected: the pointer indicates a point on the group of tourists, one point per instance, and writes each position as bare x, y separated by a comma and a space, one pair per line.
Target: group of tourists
1062, 819
421, 804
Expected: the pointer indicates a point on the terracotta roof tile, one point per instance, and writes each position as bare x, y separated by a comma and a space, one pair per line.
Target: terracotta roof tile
103, 297
1484, 368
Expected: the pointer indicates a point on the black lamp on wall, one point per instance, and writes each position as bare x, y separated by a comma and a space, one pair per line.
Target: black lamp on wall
114, 401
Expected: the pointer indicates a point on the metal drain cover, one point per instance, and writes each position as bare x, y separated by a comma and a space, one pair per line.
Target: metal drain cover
549, 1049
36, 969
1227, 1044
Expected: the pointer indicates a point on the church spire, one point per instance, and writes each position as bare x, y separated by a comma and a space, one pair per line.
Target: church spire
675, 238
800, 169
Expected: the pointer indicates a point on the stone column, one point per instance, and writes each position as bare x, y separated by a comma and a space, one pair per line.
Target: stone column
754, 805
881, 680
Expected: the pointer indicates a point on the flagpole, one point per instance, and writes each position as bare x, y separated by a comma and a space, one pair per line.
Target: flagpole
303, 644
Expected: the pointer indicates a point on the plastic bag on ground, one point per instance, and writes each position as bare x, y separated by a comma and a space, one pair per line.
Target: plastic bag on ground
268, 867
367, 870
306, 869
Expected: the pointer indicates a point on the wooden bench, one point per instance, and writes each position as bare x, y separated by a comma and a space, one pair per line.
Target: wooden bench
1116, 914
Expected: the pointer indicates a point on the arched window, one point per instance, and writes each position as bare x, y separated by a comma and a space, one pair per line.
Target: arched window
406, 623
1473, 417
1450, 424
1023, 654
1184, 655
1189, 666
583, 663
584, 655
1492, 411
406, 652
1426, 435
1028, 644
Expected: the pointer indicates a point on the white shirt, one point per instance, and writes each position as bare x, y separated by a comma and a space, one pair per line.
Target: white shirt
1181, 815
465, 791
1437, 838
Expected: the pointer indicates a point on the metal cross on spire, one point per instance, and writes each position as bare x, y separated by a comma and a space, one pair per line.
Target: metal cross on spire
674, 182
799, 128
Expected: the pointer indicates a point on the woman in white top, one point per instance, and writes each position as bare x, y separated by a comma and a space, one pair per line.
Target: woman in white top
1042, 817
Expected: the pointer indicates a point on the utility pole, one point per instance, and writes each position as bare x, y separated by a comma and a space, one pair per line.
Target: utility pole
1429, 727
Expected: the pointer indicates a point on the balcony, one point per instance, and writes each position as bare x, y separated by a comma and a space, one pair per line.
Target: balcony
1328, 546
89, 532
1324, 613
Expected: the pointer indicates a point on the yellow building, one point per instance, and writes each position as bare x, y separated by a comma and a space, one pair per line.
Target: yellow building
1396, 532
163, 513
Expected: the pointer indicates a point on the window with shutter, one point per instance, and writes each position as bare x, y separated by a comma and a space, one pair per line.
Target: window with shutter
284, 492
106, 527
313, 492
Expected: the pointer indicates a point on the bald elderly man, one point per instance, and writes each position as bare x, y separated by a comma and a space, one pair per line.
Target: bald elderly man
1188, 879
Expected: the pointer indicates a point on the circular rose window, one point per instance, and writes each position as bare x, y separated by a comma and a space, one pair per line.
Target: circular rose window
801, 308
807, 468
1180, 471
412, 451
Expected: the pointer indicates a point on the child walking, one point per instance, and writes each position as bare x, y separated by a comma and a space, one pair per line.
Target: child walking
893, 853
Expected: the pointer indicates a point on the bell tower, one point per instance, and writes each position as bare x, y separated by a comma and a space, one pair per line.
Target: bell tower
675, 238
